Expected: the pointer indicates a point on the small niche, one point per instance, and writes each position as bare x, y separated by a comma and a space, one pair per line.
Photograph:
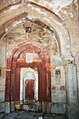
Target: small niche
0, 72
58, 73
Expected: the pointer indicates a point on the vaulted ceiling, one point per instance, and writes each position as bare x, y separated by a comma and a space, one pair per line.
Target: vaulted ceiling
39, 21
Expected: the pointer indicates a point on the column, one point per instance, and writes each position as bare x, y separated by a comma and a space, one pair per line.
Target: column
7, 91
77, 63
71, 85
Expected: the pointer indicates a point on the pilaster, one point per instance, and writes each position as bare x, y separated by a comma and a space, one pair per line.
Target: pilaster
72, 92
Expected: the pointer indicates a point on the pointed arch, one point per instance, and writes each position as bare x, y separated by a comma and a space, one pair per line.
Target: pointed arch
12, 92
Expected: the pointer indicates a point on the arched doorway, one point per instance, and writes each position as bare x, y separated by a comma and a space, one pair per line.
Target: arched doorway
26, 56
29, 84
29, 89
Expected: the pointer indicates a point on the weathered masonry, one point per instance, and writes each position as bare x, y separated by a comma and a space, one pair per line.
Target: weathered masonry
39, 56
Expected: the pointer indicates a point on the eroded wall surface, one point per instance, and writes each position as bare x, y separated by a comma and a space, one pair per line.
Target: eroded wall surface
53, 24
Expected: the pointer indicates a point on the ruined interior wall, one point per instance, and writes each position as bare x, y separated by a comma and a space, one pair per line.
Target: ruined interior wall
44, 38
2, 74
68, 12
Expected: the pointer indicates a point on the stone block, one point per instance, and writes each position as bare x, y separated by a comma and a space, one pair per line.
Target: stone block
59, 96
58, 108
7, 107
72, 111
26, 107
1, 107
2, 95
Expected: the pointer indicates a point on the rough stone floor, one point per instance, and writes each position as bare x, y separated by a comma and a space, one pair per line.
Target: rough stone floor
30, 115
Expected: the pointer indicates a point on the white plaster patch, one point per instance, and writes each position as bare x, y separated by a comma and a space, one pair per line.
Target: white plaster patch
71, 15
8, 54
14, 7
55, 5
61, 3
31, 17
67, 46
17, 22
13, 25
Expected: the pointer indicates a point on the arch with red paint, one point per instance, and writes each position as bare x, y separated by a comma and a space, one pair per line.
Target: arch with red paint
15, 63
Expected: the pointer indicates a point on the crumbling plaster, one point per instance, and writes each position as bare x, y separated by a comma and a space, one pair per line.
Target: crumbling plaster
62, 18
50, 19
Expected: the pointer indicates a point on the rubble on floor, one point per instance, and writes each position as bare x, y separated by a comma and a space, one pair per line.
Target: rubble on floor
30, 115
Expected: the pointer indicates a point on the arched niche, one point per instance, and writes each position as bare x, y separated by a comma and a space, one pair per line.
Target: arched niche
12, 92
27, 74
